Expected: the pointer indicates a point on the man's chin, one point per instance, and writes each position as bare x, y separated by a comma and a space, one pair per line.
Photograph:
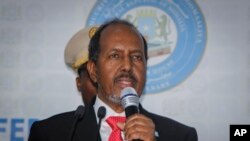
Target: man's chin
114, 99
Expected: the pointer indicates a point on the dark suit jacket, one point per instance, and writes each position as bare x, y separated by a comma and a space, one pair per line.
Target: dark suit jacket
58, 128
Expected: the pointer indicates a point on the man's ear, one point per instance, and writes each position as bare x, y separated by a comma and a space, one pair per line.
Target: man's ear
91, 67
78, 83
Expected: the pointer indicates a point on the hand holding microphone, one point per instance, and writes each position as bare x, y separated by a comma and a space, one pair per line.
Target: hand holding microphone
137, 126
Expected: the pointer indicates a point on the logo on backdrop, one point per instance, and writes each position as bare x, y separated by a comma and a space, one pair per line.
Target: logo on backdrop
174, 29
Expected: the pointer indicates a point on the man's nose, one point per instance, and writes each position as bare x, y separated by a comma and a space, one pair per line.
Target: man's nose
127, 64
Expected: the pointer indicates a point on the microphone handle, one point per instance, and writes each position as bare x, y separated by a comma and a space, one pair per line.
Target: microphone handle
99, 126
79, 113
131, 110
72, 131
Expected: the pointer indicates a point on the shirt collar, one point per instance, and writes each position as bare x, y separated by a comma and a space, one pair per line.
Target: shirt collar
109, 111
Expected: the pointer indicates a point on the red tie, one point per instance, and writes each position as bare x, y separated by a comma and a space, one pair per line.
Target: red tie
116, 132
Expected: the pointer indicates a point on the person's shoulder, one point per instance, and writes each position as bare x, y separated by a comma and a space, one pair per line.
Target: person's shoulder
44, 129
58, 120
170, 122
61, 116
168, 128
161, 120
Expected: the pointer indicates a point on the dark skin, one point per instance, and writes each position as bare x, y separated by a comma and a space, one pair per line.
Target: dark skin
85, 85
121, 64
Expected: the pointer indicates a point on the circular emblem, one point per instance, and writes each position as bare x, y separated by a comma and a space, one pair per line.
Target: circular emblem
175, 31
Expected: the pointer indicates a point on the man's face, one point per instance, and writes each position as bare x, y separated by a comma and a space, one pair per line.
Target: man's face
85, 86
121, 63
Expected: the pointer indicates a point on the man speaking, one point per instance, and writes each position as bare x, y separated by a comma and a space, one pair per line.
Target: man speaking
117, 61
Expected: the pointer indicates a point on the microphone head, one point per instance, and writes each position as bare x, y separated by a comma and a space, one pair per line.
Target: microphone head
79, 112
101, 112
129, 97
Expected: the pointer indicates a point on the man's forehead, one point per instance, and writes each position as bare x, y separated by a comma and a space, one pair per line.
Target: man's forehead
120, 33
118, 27
126, 49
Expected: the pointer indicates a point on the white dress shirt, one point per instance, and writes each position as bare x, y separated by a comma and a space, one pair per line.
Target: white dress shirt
105, 129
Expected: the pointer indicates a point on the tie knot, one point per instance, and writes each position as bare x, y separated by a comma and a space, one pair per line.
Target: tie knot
112, 120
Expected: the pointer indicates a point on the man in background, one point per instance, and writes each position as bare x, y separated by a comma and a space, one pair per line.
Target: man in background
76, 58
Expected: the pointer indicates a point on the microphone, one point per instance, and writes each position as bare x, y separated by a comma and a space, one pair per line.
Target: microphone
100, 114
79, 113
129, 101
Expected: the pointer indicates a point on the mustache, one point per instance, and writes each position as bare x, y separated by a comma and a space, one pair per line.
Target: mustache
126, 75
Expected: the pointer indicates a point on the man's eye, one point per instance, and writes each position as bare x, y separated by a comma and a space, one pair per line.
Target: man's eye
114, 56
137, 57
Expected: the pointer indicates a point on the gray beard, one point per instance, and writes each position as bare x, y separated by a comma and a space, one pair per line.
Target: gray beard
115, 99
